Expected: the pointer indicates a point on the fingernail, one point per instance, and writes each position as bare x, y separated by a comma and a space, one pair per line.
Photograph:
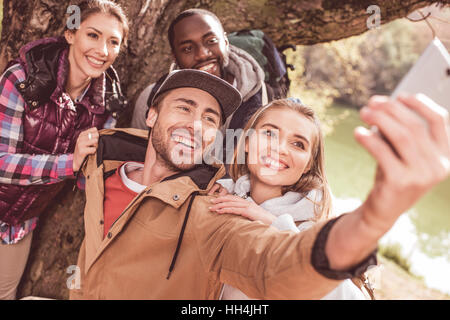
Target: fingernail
402, 96
378, 99
362, 131
364, 111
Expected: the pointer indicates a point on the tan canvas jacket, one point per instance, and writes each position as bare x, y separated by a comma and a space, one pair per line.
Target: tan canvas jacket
133, 261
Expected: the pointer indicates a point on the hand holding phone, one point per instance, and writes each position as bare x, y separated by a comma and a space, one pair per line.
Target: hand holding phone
430, 76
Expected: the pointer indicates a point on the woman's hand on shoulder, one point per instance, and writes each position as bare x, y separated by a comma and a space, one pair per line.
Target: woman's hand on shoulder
238, 206
219, 189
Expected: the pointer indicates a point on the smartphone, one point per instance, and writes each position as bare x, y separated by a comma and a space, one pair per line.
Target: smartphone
430, 75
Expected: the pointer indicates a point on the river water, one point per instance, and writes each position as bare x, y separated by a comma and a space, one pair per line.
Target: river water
423, 232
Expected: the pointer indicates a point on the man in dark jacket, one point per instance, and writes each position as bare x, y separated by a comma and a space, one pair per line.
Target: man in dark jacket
198, 41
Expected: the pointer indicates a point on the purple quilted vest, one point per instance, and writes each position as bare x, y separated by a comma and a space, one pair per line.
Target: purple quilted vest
51, 125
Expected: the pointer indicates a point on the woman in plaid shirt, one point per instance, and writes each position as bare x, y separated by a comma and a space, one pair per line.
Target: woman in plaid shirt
79, 91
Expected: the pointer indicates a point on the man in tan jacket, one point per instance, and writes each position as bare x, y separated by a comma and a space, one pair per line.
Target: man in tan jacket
150, 235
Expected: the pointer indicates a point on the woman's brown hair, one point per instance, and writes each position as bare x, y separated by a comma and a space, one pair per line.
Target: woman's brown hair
314, 178
90, 7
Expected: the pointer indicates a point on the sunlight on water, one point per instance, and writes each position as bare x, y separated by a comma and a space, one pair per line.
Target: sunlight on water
434, 270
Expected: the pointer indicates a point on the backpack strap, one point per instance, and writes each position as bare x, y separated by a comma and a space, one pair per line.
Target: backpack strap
264, 96
115, 101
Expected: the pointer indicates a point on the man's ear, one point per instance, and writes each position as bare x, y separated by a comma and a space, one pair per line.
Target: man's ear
151, 117
225, 36
174, 65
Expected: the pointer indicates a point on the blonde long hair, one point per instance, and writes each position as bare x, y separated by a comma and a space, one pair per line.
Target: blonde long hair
315, 178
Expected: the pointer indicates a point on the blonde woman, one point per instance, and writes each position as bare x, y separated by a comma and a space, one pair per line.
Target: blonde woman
278, 177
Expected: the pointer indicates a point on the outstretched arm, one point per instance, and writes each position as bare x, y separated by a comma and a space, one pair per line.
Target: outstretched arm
264, 263
421, 160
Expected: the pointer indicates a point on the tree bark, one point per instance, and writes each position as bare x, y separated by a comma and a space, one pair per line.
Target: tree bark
148, 53
57, 239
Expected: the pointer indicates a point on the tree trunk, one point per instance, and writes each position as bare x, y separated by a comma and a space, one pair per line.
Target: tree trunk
57, 239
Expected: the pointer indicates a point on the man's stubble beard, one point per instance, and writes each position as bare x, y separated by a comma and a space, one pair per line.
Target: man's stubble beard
162, 153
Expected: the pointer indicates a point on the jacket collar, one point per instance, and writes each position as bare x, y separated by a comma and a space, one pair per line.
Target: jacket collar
118, 145
131, 145
47, 67
93, 100
200, 175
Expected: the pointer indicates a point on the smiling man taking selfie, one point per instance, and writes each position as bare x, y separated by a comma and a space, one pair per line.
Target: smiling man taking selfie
150, 234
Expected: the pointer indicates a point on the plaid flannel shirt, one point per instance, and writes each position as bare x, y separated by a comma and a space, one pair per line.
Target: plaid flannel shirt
24, 169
